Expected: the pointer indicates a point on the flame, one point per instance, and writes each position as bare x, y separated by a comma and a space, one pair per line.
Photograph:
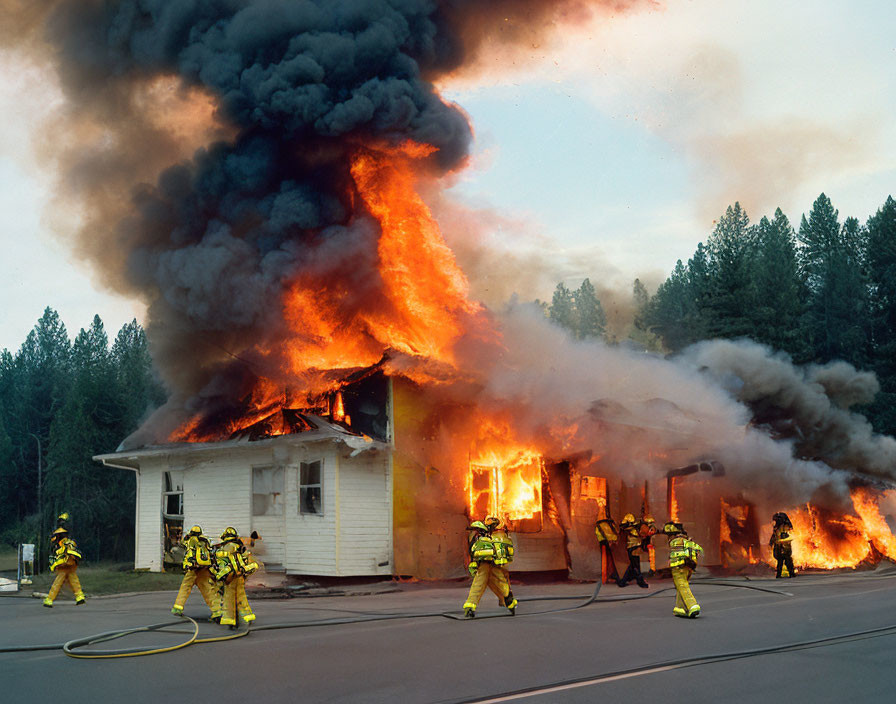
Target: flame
418, 305
867, 505
338, 410
826, 541
506, 482
673, 500
834, 541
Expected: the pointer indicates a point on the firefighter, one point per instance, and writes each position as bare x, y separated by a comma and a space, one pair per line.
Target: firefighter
197, 566
64, 557
607, 533
233, 564
497, 531
630, 529
647, 529
781, 543
683, 561
487, 569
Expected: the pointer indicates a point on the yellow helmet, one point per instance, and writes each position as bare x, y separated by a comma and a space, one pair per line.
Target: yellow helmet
195, 530
230, 534
63, 516
60, 531
628, 519
648, 519
672, 528
478, 525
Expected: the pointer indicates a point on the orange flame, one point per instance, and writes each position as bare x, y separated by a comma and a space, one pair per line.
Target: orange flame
506, 482
420, 305
842, 541
673, 500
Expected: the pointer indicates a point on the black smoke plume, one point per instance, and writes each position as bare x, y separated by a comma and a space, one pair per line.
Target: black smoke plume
209, 239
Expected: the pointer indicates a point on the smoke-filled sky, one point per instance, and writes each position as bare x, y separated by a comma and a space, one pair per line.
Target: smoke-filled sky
613, 146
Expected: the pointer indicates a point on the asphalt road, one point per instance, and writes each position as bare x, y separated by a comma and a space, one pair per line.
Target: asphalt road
560, 656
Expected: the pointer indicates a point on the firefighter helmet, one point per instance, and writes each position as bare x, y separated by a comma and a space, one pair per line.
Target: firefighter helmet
492, 522
476, 525
628, 519
648, 519
672, 528
230, 534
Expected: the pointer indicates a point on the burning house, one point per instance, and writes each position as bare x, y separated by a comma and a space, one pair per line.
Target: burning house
261, 176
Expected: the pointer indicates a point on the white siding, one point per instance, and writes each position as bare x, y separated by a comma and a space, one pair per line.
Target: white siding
351, 537
311, 539
218, 489
365, 493
149, 512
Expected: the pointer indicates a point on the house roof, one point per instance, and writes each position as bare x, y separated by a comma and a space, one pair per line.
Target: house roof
316, 430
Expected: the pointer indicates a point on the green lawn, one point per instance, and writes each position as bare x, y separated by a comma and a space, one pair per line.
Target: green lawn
112, 578
7, 559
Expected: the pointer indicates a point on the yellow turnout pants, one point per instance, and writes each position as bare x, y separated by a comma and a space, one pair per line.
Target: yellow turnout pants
684, 598
66, 573
235, 600
202, 578
492, 576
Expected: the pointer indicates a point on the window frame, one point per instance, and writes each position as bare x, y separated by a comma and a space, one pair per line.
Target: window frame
282, 493
319, 485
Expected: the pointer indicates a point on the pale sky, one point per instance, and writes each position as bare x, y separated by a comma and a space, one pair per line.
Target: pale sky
614, 145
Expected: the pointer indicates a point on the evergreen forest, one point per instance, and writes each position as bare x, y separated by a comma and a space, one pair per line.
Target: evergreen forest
61, 403
819, 291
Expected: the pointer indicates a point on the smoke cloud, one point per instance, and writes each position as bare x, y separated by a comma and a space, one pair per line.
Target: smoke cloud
211, 143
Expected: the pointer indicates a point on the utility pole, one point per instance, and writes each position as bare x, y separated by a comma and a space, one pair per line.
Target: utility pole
40, 502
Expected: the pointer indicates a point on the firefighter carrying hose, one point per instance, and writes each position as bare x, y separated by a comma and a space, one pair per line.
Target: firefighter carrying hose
607, 533
64, 557
488, 555
683, 561
197, 564
647, 529
781, 543
630, 529
233, 564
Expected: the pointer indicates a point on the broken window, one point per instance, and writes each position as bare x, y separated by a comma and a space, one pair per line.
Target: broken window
173, 516
267, 491
310, 487
511, 490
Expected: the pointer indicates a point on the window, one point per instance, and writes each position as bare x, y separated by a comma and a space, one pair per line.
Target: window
267, 491
310, 497
173, 496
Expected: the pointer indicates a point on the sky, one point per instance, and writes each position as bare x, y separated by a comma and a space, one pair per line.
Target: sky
612, 147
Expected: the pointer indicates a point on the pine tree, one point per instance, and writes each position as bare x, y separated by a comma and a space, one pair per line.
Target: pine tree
590, 319
729, 308
881, 267
562, 310
833, 266
779, 288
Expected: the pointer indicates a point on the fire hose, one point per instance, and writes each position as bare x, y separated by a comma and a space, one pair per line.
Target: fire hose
70, 647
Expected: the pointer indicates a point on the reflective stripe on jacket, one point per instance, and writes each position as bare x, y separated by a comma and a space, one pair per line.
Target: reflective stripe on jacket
683, 551
483, 550
503, 547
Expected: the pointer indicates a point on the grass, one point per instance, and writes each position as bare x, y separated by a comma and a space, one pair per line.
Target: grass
8, 559
112, 578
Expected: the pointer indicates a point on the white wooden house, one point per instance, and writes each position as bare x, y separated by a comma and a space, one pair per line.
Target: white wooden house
320, 499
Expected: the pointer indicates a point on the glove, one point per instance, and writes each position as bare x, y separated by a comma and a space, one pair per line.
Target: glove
472, 568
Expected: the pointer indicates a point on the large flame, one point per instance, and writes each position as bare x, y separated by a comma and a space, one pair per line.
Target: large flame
505, 477
421, 306
826, 541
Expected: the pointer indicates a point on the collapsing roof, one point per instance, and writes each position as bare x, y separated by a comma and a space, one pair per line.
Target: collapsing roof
297, 428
